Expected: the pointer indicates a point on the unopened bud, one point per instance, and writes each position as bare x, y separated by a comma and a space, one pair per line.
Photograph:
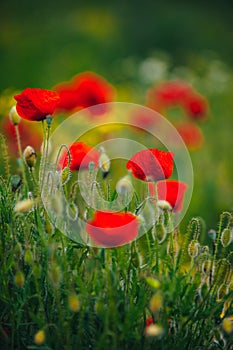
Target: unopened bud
226, 237
152, 282
74, 303
104, 163
29, 156
156, 302
24, 205
124, 186
65, 175
28, 257
14, 116
39, 337
19, 279
227, 324
55, 275
163, 205
154, 330
193, 249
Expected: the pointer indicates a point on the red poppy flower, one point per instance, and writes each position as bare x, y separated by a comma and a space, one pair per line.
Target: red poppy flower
196, 106
84, 90
191, 134
151, 165
168, 94
29, 134
149, 321
35, 104
111, 229
81, 156
173, 192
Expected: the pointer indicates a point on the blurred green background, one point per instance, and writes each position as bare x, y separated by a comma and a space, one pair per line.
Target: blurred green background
134, 44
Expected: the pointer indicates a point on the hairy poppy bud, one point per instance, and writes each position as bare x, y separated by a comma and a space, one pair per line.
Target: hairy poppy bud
29, 156
164, 205
24, 205
124, 186
193, 248
65, 175
13, 115
104, 162
226, 237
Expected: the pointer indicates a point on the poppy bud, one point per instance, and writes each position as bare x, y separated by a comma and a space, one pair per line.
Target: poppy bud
13, 115
156, 302
226, 237
55, 275
193, 249
29, 156
74, 303
39, 337
124, 186
227, 324
19, 279
154, 330
65, 175
152, 282
28, 257
104, 162
24, 205
164, 205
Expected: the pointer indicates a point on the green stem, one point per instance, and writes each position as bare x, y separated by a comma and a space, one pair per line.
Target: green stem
21, 157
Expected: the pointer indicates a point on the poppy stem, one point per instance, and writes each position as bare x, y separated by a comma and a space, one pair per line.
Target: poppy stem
46, 132
21, 158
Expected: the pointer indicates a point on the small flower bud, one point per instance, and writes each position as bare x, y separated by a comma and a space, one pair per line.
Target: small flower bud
154, 330
24, 205
19, 279
28, 257
104, 162
55, 275
74, 303
152, 282
39, 337
15, 181
226, 237
160, 232
227, 324
222, 291
124, 186
163, 205
65, 175
193, 249
13, 115
29, 156
156, 302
